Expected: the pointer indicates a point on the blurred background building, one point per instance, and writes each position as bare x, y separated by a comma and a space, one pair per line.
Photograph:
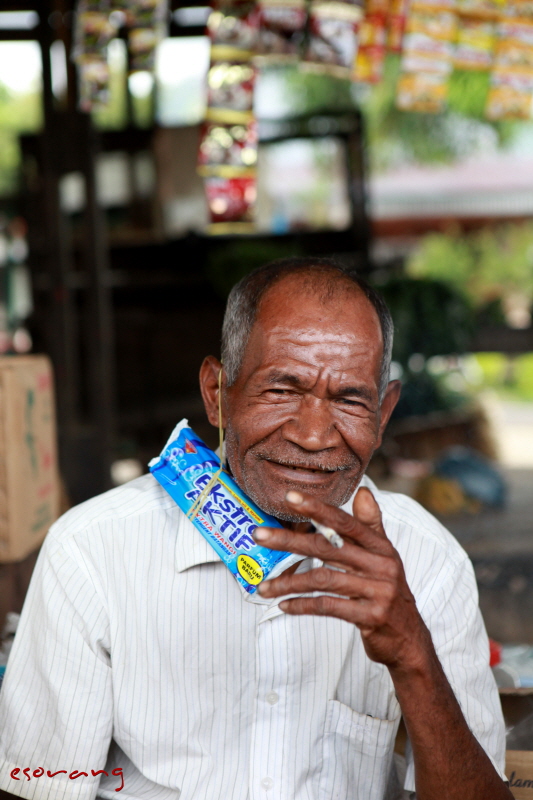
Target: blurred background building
151, 154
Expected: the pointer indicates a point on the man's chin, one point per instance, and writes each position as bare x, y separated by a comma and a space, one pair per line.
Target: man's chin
273, 502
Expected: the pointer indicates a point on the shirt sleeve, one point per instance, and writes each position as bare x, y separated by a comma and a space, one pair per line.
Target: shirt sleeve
56, 710
458, 632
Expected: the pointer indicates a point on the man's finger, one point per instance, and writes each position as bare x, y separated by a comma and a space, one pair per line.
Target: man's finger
321, 579
352, 558
370, 537
367, 511
360, 614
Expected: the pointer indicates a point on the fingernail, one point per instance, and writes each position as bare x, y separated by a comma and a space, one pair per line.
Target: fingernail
261, 535
284, 605
294, 497
262, 586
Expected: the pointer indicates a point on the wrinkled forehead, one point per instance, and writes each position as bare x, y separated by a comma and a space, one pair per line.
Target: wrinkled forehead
314, 313
323, 301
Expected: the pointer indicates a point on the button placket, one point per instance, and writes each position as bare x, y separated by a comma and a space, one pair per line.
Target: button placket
269, 729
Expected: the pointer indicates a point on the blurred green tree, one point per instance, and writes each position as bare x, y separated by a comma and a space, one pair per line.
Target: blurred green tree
485, 265
19, 113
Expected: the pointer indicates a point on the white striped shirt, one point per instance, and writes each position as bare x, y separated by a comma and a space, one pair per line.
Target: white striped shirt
137, 647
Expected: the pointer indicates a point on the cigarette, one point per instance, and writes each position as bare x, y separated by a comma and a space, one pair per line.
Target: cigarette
329, 534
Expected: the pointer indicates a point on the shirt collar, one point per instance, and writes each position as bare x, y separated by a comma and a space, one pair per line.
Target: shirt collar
191, 547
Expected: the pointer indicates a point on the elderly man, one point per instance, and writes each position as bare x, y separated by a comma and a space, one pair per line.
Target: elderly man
138, 654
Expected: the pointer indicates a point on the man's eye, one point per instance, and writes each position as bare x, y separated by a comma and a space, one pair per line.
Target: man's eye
348, 402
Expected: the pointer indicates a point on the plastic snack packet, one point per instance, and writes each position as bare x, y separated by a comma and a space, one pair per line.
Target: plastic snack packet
222, 513
282, 25
425, 93
234, 26
231, 203
230, 89
397, 20
228, 150
142, 43
333, 38
368, 67
475, 44
93, 84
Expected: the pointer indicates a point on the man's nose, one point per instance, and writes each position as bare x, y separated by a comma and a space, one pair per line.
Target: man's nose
312, 428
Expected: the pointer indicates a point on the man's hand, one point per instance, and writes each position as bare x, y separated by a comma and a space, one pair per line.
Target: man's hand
371, 591
372, 588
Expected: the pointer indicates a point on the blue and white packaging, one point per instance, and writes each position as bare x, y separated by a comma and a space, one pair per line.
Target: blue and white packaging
226, 517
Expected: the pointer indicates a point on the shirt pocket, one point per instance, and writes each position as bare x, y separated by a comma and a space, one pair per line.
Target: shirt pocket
357, 754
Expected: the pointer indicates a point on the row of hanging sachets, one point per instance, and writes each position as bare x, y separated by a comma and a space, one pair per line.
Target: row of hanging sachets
98, 22
245, 36
228, 147
511, 91
495, 36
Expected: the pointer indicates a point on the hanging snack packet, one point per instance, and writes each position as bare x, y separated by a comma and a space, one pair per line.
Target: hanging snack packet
427, 57
482, 9
231, 203
475, 44
142, 43
511, 92
397, 20
93, 79
94, 31
519, 9
230, 88
228, 150
235, 25
282, 25
94, 5
510, 97
514, 51
147, 13
371, 53
424, 93
333, 38
222, 513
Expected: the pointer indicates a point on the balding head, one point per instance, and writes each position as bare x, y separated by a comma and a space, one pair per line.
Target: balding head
322, 278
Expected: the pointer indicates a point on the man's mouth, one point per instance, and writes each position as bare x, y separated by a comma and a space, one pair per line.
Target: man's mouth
304, 468
302, 472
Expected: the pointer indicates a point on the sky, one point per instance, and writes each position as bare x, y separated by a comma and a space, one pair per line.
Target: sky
177, 61
20, 65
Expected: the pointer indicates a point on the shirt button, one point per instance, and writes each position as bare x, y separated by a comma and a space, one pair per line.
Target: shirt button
272, 698
267, 783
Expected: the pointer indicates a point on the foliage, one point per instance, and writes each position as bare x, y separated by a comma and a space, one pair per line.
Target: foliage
113, 115
430, 318
396, 136
19, 113
423, 393
231, 260
310, 93
484, 265
509, 377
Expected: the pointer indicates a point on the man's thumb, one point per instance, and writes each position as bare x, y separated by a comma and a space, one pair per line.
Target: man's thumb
366, 510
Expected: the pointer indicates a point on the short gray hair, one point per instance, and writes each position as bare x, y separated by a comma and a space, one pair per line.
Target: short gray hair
245, 298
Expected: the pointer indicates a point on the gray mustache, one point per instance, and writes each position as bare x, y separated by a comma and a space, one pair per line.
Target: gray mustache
319, 465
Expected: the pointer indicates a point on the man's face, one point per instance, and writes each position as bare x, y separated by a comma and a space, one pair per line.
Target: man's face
304, 412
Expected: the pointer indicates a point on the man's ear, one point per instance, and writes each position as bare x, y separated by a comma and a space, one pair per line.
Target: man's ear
209, 383
392, 395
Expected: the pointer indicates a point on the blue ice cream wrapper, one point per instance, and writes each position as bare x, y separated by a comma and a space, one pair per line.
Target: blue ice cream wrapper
226, 518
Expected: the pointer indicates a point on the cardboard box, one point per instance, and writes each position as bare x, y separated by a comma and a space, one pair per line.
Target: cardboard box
517, 706
519, 771
29, 482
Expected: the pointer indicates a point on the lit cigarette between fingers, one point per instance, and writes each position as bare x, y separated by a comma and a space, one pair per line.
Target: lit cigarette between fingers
329, 534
